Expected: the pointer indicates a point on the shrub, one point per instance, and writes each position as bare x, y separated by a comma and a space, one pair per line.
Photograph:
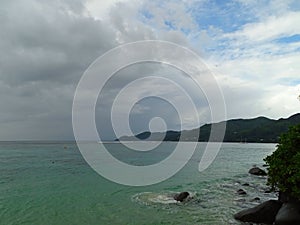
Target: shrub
284, 163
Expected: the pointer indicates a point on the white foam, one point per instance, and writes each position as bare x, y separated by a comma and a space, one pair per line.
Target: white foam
163, 199
159, 198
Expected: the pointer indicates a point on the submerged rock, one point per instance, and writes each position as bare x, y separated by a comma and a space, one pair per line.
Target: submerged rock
241, 192
181, 196
289, 214
263, 213
257, 171
255, 199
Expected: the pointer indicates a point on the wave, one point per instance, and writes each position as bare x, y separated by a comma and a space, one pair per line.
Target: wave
150, 198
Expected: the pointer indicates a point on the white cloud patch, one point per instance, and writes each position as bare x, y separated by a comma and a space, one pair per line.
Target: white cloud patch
272, 28
101, 9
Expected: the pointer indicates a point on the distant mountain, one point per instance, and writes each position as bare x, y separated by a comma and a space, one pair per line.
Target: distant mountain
258, 130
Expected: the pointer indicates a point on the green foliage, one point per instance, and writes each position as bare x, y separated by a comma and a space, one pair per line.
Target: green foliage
284, 163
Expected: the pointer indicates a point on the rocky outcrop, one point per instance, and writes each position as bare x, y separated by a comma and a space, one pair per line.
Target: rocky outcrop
181, 196
257, 171
284, 211
263, 213
289, 214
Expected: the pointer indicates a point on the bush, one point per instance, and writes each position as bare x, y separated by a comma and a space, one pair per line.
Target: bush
284, 163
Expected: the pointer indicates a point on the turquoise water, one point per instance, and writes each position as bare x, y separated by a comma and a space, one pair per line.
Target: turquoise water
50, 183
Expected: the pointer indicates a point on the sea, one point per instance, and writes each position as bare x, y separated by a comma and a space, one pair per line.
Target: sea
50, 183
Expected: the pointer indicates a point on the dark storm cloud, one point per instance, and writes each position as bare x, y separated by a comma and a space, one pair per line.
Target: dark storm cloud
49, 42
45, 47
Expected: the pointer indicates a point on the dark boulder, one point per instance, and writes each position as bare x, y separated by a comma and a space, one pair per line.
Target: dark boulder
246, 184
257, 171
181, 196
241, 192
263, 213
289, 214
255, 199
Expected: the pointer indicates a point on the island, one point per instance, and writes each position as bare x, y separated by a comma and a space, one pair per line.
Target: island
255, 130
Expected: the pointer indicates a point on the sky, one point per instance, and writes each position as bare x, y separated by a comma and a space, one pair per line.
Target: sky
251, 46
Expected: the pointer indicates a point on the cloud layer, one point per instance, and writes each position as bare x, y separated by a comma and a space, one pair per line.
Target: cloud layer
253, 48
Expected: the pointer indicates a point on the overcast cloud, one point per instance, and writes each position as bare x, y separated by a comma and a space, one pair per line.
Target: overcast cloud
252, 47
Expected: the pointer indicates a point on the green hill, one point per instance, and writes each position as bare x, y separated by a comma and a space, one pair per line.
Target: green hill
260, 129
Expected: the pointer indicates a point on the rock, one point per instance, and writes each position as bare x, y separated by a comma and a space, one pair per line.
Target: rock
255, 199
263, 213
289, 214
267, 191
181, 196
241, 192
257, 171
245, 184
